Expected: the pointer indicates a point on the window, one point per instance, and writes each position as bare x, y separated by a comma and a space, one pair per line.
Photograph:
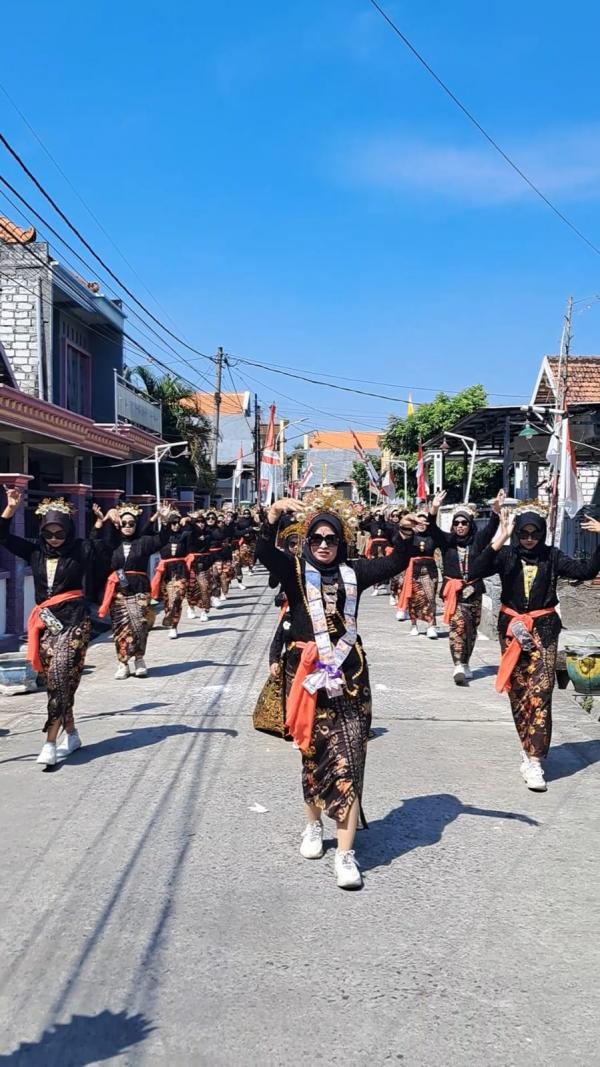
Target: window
76, 383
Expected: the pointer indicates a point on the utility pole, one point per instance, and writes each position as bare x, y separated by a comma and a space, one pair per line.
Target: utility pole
561, 402
218, 376
257, 447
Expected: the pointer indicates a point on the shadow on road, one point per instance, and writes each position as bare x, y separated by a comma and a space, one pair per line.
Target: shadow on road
484, 672
86, 1039
419, 823
169, 669
140, 737
570, 758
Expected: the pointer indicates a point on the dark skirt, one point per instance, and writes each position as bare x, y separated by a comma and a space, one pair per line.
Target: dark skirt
421, 605
132, 619
463, 629
173, 593
530, 695
63, 660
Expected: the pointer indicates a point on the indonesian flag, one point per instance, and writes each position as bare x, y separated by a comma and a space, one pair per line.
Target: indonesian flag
269, 461
388, 484
374, 479
421, 483
305, 479
570, 496
239, 466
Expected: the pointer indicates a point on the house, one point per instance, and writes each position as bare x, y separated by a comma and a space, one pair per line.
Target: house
332, 455
69, 423
237, 418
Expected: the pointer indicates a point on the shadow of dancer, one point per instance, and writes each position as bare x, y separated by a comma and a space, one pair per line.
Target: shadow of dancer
571, 757
137, 737
419, 823
85, 1040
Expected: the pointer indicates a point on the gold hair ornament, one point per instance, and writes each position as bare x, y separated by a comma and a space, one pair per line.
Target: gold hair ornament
59, 504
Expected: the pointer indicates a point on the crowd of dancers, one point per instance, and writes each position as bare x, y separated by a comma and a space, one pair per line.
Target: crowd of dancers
321, 553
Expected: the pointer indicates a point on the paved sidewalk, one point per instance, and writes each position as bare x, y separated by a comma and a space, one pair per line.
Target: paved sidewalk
151, 918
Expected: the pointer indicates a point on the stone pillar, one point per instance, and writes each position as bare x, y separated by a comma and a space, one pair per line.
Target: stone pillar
16, 567
77, 494
107, 498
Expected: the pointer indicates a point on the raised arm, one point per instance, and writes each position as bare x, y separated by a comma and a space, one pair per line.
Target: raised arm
19, 546
583, 569
278, 564
375, 571
493, 558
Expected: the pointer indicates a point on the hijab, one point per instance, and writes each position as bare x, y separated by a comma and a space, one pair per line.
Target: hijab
326, 569
469, 536
136, 518
529, 518
57, 518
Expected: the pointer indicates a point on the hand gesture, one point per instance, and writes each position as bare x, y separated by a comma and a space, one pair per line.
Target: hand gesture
590, 524
114, 517
437, 501
499, 501
277, 509
275, 670
13, 498
505, 529
408, 518
98, 515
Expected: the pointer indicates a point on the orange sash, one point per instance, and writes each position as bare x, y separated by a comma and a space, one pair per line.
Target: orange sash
300, 705
452, 588
513, 649
160, 570
407, 586
111, 589
35, 624
371, 545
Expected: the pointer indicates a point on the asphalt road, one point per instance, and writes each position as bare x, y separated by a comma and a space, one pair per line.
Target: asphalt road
150, 917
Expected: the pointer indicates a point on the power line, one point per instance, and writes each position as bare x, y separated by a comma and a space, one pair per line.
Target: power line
471, 117
13, 152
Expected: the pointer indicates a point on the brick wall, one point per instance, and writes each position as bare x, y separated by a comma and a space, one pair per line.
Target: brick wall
587, 474
20, 275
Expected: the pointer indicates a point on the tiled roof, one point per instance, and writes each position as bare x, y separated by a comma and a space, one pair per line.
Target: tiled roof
12, 234
204, 403
369, 439
583, 378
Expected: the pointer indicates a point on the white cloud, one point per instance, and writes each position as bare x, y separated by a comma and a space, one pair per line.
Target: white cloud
565, 164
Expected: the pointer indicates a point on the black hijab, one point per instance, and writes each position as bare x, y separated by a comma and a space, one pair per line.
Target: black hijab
57, 518
529, 518
467, 539
328, 570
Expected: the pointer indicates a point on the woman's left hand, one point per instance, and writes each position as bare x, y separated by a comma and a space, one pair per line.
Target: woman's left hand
98, 516
499, 502
590, 524
437, 501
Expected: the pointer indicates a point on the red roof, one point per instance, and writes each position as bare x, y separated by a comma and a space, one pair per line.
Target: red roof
583, 378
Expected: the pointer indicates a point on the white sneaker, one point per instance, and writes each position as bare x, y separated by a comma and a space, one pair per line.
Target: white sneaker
68, 745
414, 631
203, 616
240, 584
141, 670
173, 633
48, 754
215, 602
468, 672
459, 674
534, 776
311, 846
223, 597
375, 591
190, 613
401, 615
392, 601
122, 671
346, 870
432, 633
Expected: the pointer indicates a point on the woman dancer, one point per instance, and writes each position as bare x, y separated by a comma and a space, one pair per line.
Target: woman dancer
419, 584
462, 599
217, 536
328, 696
196, 549
170, 581
127, 593
247, 533
59, 626
529, 625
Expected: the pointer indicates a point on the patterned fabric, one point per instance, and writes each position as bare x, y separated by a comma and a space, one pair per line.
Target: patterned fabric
463, 629
173, 593
132, 619
529, 573
530, 695
421, 605
269, 713
51, 568
63, 660
247, 556
396, 584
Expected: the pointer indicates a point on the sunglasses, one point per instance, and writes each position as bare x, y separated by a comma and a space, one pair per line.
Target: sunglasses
529, 536
329, 540
125, 523
460, 522
57, 536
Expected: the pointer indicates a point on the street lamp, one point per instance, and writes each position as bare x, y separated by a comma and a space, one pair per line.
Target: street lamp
159, 454
472, 452
402, 463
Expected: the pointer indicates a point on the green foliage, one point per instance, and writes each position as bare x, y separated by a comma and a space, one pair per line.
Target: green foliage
361, 478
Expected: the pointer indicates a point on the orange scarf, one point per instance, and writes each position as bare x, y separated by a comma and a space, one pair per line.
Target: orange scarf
452, 588
35, 625
111, 590
407, 586
160, 570
513, 649
300, 705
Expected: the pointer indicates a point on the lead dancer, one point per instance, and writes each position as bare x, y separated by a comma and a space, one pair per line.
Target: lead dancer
328, 695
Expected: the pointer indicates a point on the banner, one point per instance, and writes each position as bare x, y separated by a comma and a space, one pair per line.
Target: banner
421, 483
269, 462
372, 475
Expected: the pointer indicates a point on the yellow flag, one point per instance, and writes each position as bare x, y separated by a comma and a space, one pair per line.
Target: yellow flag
410, 407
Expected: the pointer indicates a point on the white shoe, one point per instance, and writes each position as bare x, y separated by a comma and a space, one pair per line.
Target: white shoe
346, 870
414, 631
534, 776
215, 602
460, 675
392, 601
223, 597
122, 671
401, 615
240, 584
68, 745
375, 591
141, 670
173, 633
311, 846
48, 754
190, 613
468, 672
432, 633
203, 616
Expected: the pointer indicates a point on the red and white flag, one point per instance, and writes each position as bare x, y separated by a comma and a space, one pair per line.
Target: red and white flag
570, 497
237, 474
421, 483
374, 478
307, 475
269, 462
388, 485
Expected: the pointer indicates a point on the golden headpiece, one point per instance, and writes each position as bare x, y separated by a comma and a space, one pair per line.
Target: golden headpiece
58, 504
328, 499
465, 509
123, 508
536, 506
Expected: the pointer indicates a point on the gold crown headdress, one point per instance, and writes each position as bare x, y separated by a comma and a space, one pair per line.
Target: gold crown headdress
58, 504
328, 499
536, 506
469, 509
123, 508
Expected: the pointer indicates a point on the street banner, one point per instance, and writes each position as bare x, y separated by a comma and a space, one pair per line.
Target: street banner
410, 407
269, 462
372, 475
421, 483
237, 474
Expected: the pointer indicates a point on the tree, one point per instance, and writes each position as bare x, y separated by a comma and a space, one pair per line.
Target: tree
361, 478
180, 422
403, 436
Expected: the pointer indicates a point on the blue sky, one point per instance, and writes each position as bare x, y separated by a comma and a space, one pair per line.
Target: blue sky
290, 184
